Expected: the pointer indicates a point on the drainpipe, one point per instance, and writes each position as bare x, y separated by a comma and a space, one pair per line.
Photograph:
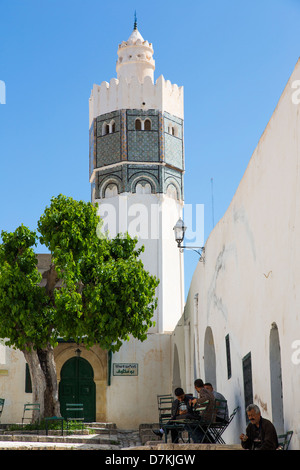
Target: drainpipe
109, 362
187, 358
196, 335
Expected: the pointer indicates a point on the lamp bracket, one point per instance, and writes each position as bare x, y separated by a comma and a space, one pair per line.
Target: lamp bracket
196, 249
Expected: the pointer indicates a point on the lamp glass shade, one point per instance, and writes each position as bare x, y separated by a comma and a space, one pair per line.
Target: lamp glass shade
179, 230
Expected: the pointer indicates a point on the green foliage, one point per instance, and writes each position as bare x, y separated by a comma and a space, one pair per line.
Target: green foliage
104, 295
118, 294
71, 427
68, 226
25, 312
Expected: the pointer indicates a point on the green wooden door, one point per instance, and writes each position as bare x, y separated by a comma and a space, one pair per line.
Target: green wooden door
77, 386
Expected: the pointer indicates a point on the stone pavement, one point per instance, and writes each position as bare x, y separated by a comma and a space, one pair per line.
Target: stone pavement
149, 446
105, 436
92, 442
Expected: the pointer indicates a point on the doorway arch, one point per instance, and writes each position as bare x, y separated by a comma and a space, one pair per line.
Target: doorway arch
210, 358
77, 386
276, 380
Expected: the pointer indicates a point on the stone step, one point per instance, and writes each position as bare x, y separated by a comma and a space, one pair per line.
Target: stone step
147, 434
102, 430
47, 446
42, 438
84, 440
93, 428
102, 425
94, 433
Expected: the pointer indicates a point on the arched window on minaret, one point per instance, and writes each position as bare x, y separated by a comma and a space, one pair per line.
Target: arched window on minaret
143, 188
173, 130
111, 190
112, 127
105, 128
172, 191
138, 125
147, 125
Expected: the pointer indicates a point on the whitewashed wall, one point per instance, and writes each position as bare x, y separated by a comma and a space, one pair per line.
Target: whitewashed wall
119, 94
249, 285
12, 385
151, 218
132, 400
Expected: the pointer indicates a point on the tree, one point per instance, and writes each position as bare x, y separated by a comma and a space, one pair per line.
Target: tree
96, 291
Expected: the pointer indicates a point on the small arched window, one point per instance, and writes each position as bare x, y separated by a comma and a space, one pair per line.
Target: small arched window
105, 128
112, 127
147, 125
173, 130
143, 188
172, 191
111, 191
138, 125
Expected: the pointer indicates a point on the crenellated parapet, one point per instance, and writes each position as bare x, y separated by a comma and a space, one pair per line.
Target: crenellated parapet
123, 94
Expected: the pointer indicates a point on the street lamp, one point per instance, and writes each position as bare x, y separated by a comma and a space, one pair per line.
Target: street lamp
78, 352
179, 231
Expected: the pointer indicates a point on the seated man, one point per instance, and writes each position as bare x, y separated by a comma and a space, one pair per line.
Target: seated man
182, 409
222, 414
205, 395
260, 433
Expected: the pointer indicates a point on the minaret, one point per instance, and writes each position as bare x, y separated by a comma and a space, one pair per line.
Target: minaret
137, 166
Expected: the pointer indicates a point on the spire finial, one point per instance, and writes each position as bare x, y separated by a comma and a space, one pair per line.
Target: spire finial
135, 21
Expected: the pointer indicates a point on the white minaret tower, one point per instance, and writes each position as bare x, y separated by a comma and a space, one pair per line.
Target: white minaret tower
137, 166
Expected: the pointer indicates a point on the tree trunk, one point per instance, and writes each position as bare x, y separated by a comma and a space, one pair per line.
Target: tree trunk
37, 380
42, 365
51, 403
44, 382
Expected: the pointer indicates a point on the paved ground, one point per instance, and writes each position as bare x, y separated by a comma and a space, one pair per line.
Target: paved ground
119, 439
105, 439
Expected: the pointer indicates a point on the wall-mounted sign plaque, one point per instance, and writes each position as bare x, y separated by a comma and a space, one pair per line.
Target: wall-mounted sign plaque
125, 369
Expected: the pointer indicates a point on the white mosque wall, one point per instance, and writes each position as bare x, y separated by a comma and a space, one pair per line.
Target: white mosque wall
248, 287
132, 400
151, 218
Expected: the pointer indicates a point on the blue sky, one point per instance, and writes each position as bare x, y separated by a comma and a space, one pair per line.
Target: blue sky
233, 58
